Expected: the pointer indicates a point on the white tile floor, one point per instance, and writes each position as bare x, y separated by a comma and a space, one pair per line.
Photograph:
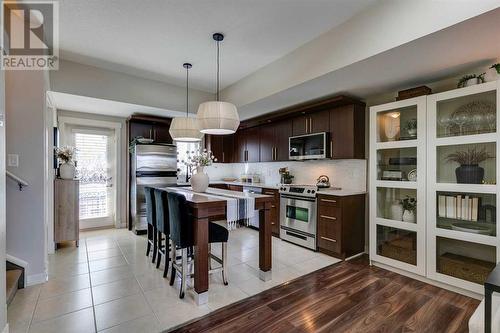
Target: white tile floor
109, 285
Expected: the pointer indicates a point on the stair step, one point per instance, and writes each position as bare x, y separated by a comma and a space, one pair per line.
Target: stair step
12, 279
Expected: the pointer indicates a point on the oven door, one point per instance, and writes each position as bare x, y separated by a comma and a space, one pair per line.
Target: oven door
298, 213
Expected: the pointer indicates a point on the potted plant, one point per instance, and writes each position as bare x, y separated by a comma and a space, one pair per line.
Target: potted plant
469, 171
470, 80
199, 181
286, 177
409, 206
411, 127
493, 73
67, 167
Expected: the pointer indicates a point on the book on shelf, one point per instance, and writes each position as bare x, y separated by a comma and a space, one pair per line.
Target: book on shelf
458, 207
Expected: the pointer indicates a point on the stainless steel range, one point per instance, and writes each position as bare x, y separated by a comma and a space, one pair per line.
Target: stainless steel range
298, 214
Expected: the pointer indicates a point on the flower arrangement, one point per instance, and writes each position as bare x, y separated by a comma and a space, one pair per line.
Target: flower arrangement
469, 157
463, 80
497, 67
203, 159
408, 204
65, 153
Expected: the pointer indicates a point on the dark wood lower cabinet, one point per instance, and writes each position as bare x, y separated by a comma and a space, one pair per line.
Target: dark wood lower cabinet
275, 210
341, 225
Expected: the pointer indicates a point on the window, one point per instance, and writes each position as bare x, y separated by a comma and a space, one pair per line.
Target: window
182, 153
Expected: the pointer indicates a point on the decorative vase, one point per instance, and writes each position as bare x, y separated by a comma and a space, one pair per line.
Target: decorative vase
199, 181
408, 216
472, 82
412, 132
67, 170
396, 211
469, 174
491, 75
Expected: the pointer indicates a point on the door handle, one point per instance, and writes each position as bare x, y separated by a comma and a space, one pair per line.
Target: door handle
331, 148
328, 217
306, 124
151, 133
310, 124
223, 159
329, 239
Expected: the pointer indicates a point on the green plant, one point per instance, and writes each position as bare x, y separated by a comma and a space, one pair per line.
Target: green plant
469, 157
463, 80
409, 204
497, 67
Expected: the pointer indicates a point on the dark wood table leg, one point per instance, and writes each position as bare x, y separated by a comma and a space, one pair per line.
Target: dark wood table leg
265, 242
487, 310
201, 260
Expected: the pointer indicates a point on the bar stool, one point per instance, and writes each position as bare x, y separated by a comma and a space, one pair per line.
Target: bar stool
181, 235
162, 227
151, 219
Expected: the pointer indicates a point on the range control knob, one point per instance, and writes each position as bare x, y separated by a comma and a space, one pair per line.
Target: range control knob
313, 191
308, 191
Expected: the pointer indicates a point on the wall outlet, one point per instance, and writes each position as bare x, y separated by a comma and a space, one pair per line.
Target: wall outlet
13, 160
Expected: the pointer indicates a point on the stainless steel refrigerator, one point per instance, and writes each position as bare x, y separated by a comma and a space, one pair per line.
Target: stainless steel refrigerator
151, 165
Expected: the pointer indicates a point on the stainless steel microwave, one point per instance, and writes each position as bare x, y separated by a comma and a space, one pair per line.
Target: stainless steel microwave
309, 146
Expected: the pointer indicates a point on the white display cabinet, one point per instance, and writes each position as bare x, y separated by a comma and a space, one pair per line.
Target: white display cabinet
397, 180
462, 192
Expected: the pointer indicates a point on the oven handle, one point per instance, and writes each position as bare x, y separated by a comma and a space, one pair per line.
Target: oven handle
298, 198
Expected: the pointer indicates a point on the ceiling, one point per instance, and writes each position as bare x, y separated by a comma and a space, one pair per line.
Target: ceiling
153, 38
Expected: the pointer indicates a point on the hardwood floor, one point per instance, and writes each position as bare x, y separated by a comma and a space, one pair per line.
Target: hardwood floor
346, 297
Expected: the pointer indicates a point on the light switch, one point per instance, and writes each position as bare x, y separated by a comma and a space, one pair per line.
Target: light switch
13, 160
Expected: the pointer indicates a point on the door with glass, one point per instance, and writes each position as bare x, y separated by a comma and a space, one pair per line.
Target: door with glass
96, 170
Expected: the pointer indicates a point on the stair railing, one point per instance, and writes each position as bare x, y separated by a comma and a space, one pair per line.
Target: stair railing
20, 182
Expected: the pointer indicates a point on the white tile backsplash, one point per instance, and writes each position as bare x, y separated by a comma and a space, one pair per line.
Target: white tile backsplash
349, 174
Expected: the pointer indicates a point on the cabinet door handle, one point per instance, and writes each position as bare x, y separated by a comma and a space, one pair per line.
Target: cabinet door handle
306, 125
310, 124
331, 148
329, 239
273, 206
223, 159
269, 193
151, 133
329, 200
328, 217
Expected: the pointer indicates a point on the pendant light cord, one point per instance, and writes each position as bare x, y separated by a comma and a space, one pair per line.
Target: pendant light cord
218, 71
187, 91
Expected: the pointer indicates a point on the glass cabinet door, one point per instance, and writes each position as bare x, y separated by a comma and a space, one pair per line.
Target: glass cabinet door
397, 124
399, 164
467, 115
397, 244
397, 204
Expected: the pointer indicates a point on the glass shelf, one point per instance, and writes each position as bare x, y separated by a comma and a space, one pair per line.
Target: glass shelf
466, 212
397, 124
452, 172
466, 115
389, 207
464, 260
397, 244
399, 164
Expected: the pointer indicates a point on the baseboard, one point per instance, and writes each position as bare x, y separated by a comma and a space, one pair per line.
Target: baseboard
18, 262
36, 279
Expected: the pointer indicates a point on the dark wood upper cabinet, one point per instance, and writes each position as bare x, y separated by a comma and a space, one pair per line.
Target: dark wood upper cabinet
347, 132
221, 147
155, 128
253, 144
283, 132
319, 121
267, 142
239, 151
300, 125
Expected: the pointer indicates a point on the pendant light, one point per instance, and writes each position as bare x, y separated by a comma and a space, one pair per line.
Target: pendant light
186, 128
216, 117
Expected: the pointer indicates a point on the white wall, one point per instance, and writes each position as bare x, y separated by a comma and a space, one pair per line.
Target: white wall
348, 174
3, 306
25, 97
121, 194
381, 27
83, 80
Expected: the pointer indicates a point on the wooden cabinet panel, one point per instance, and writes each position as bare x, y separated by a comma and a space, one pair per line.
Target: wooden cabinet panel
239, 151
283, 130
67, 210
140, 130
300, 125
220, 186
252, 144
267, 142
347, 132
214, 143
275, 210
227, 148
319, 121
341, 225
237, 188
161, 133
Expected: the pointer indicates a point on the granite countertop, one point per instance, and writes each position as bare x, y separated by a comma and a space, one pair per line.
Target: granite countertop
326, 191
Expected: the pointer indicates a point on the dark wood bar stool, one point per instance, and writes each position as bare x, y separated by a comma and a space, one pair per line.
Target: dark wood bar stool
163, 228
151, 219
